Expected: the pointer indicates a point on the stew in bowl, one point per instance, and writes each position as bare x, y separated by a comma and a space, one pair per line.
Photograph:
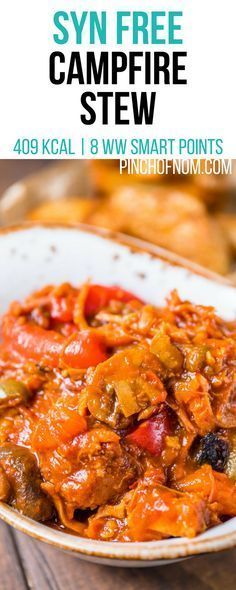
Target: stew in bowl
120, 473
118, 417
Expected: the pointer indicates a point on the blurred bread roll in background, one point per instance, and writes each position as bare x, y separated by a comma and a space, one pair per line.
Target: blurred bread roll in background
228, 223
169, 218
212, 189
70, 210
187, 214
105, 177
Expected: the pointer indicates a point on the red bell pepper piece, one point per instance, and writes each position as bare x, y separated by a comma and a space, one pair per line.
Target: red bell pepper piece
150, 435
85, 349
82, 350
60, 425
62, 308
32, 342
99, 297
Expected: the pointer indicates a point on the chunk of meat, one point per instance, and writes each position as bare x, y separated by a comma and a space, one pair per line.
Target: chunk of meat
151, 511
224, 404
96, 470
192, 392
22, 472
85, 488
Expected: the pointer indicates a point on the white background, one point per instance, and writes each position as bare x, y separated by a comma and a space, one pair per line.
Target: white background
32, 107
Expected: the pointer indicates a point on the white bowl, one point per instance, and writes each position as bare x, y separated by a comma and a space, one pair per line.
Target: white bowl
32, 256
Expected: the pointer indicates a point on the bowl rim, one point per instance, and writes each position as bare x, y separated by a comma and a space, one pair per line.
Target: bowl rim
132, 243
150, 551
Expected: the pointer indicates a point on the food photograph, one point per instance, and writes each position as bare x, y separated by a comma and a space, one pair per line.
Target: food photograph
117, 377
